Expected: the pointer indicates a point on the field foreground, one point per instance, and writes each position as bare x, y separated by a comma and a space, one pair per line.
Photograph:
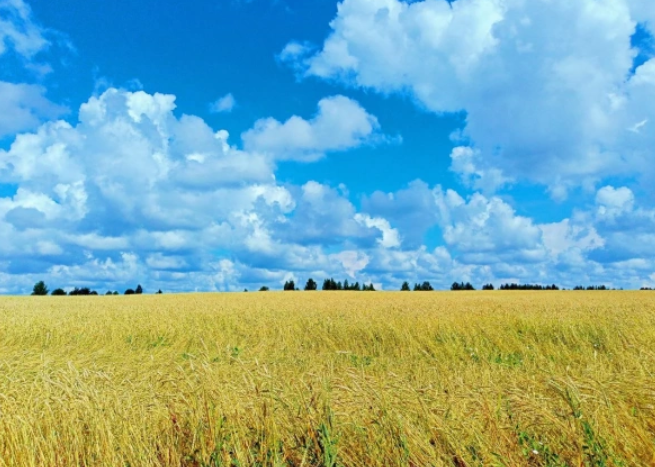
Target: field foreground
329, 379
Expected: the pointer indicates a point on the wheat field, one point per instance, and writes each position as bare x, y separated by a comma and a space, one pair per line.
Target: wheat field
329, 379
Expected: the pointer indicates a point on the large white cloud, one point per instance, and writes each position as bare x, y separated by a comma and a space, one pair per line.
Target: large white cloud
23, 107
546, 84
131, 180
340, 124
484, 239
133, 191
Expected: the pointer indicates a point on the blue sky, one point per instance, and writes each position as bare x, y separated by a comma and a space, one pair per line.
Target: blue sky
233, 144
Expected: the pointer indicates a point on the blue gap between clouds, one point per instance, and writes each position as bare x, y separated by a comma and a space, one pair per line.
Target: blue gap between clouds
644, 42
8, 190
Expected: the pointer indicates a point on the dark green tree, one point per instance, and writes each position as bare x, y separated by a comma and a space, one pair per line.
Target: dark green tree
129, 292
59, 292
330, 284
311, 284
83, 291
263, 288
462, 286
289, 285
40, 289
405, 287
139, 289
424, 287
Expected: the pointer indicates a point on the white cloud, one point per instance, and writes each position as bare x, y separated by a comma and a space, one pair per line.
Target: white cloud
158, 261
19, 31
613, 202
133, 193
131, 178
390, 237
352, 261
293, 51
340, 124
546, 85
223, 104
24, 106
487, 230
465, 161
568, 238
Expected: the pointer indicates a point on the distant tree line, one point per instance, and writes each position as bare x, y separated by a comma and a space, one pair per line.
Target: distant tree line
331, 284
425, 286
41, 289
528, 287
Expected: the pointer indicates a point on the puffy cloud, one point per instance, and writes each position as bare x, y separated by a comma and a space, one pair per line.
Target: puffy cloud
24, 106
613, 202
223, 104
485, 240
133, 193
464, 162
546, 85
487, 230
411, 209
134, 190
132, 158
353, 261
390, 237
324, 216
565, 238
340, 124
293, 52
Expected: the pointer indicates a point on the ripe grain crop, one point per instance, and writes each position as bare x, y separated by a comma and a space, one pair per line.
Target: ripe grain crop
329, 379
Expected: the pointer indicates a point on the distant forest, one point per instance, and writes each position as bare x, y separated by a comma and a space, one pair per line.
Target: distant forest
40, 288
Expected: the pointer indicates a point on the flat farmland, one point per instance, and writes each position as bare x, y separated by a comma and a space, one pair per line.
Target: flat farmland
329, 379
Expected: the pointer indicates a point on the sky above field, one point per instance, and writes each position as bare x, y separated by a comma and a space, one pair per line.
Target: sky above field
229, 144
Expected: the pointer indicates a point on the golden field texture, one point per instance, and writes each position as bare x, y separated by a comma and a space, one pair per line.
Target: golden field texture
330, 379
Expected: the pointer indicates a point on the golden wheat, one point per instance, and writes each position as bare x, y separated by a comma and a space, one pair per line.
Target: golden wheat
329, 378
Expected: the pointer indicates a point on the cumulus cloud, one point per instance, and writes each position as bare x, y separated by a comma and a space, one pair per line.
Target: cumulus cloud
340, 124
613, 202
485, 240
293, 51
223, 104
353, 261
24, 106
132, 189
390, 237
547, 86
465, 162
487, 230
